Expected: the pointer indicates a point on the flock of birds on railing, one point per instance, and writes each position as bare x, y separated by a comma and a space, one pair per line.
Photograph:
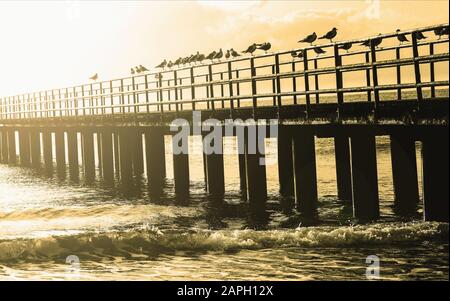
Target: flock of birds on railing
310, 39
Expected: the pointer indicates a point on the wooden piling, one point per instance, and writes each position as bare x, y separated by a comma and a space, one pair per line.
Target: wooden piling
343, 167
88, 154
24, 147
285, 162
60, 151
4, 146
12, 155
35, 148
47, 149
155, 156
181, 172
215, 172
435, 150
364, 176
137, 151
305, 174
107, 156
72, 152
126, 167
404, 174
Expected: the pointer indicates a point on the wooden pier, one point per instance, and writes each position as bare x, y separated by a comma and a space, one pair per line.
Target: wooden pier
396, 90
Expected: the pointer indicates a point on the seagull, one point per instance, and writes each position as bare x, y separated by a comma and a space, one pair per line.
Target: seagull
234, 53
219, 55
132, 71
330, 35
162, 65
138, 70
420, 36
444, 31
193, 58
94, 77
376, 41
346, 46
169, 64
227, 55
293, 54
309, 39
143, 69
251, 49
178, 61
366, 43
441, 31
300, 54
211, 55
319, 50
401, 37
200, 58
264, 46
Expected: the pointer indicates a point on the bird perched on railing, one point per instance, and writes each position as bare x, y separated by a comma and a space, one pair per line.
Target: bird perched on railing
211, 55
234, 53
441, 31
94, 77
375, 41
200, 58
319, 50
264, 46
295, 54
169, 64
346, 46
329, 35
401, 37
227, 54
132, 71
142, 68
162, 65
219, 55
309, 39
178, 61
419, 36
193, 58
138, 70
252, 48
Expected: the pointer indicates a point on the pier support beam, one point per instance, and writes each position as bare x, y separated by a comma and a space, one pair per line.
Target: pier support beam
364, 176
107, 156
137, 152
155, 156
305, 174
404, 174
241, 161
255, 173
215, 176
285, 162
181, 172
4, 150
343, 167
88, 154
35, 148
116, 153
60, 151
126, 167
47, 149
72, 151
24, 147
435, 150
12, 155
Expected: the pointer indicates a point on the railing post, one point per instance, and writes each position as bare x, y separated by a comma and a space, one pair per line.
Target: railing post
373, 59
432, 76
316, 81
254, 98
192, 87
146, 93
134, 95
102, 99
230, 89
369, 91
339, 81
211, 86
294, 83
305, 69
274, 88
399, 73
111, 92
416, 66
175, 82
278, 83
222, 93
122, 98
238, 89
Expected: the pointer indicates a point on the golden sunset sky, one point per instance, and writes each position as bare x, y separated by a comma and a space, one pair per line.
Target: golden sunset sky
51, 44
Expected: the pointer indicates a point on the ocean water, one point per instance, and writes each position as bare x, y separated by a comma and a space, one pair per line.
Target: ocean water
54, 229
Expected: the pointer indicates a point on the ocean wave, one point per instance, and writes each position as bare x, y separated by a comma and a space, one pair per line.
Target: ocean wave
148, 241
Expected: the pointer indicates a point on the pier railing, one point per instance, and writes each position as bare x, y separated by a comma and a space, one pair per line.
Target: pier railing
272, 79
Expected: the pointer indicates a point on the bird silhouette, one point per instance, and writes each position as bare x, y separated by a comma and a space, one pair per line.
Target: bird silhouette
138, 70
346, 46
169, 64
162, 65
309, 39
401, 37
441, 31
264, 46
132, 71
178, 61
294, 54
193, 58
366, 43
200, 58
143, 69
444, 31
252, 48
300, 54
329, 35
219, 55
227, 54
234, 53
376, 42
419, 36
319, 50
94, 77
211, 55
